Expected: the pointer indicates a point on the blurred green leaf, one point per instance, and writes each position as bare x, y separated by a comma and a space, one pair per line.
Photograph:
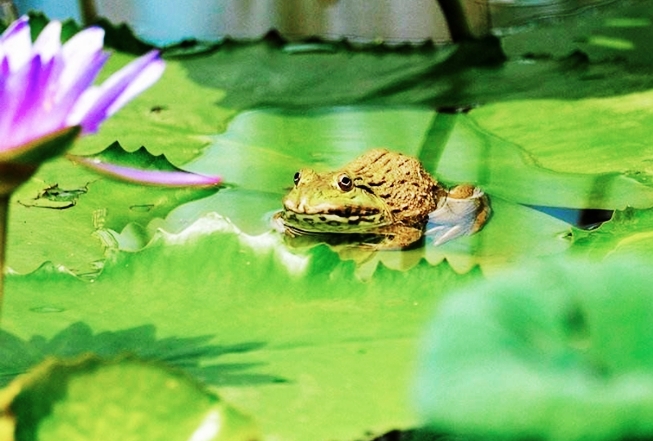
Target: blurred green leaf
616, 33
127, 399
269, 73
554, 351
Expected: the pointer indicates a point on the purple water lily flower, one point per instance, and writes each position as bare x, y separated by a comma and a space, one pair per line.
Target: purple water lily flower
46, 87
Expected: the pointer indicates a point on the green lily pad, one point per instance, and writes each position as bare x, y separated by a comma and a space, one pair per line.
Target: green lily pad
511, 171
269, 73
319, 325
184, 117
57, 213
555, 133
261, 150
126, 399
175, 117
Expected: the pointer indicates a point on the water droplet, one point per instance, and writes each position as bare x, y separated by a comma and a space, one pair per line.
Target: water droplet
46, 309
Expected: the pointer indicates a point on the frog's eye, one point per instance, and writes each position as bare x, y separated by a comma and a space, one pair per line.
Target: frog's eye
297, 177
345, 183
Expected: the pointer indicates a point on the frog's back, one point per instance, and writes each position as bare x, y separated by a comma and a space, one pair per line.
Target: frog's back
408, 190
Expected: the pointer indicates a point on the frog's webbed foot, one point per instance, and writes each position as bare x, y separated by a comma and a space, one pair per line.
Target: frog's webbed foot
463, 211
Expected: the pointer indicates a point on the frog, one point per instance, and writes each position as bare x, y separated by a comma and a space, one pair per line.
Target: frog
384, 198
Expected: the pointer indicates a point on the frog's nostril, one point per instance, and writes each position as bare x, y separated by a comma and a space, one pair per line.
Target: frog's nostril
303, 203
288, 204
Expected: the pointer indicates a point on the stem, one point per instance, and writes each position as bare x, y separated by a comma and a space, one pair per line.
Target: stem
4, 211
11, 176
88, 10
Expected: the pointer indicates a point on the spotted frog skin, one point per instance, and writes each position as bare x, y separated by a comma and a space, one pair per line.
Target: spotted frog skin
381, 194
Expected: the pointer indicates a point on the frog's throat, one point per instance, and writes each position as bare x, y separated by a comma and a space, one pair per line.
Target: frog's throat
303, 223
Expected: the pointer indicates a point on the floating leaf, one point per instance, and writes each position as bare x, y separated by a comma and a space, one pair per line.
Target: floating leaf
324, 330
628, 232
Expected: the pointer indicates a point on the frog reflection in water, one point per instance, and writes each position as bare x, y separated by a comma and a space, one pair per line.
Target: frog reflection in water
383, 196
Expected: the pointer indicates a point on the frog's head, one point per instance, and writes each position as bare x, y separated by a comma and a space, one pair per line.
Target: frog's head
333, 202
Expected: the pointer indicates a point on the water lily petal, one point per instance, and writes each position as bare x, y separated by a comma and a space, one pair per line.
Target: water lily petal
80, 54
67, 99
97, 104
88, 41
145, 78
4, 77
14, 28
30, 119
16, 43
154, 177
48, 43
15, 89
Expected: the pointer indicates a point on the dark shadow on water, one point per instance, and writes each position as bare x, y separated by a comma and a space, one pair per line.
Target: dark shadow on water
194, 355
587, 218
423, 435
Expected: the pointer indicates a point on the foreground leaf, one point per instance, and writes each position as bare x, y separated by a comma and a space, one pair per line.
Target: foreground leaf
93, 400
556, 352
321, 328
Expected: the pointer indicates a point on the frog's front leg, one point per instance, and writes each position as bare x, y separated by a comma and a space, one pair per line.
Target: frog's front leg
463, 211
